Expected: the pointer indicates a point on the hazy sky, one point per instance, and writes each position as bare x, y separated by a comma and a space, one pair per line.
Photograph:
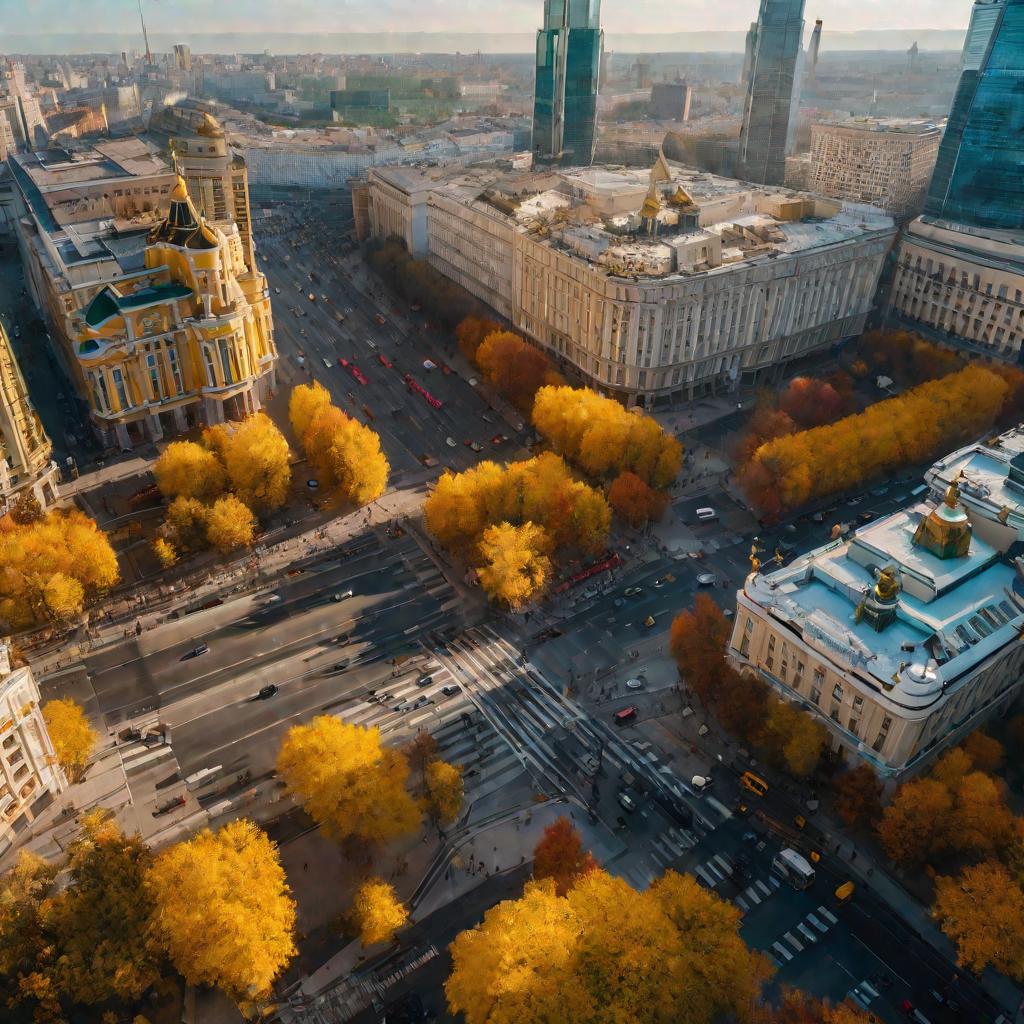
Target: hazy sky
183, 16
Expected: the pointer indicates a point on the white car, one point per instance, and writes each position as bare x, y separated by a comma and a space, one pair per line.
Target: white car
707, 579
634, 684
341, 595
706, 514
627, 802
451, 442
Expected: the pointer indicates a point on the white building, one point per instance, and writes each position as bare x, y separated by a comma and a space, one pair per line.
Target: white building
886, 162
654, 285
29, 775
906, 636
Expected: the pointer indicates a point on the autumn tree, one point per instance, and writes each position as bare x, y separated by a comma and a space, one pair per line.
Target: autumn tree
741, 705
515, 566
223, 910
515, 368
559, 855
858, 796
794, 739
230, 524
189, 470
796, 1007
377, 912
73, 738
26, 509
916, 825
257, 461
100, 921
186, 524
982, 911
165, 551
420, 751
986, 754
471, 331
305, 404
52, 567
605, 953
810, 402
602, 438
444, 789
347, 781
697, 640
634, 502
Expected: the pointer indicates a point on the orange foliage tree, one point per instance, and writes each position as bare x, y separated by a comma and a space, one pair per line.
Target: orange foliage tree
634, 502
906, 357
471, 332
603, 439
697, 640
810, 402
935, 417
515, 368
559, 854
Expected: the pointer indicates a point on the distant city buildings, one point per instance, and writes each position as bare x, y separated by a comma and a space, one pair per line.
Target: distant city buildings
670, 101
960, 267
22, 125
26, 454
569, 48
30, 777
777, 42
656, 286
885, 162
904, 637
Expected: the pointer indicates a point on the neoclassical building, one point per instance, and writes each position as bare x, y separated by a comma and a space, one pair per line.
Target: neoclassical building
188, 339
906, 636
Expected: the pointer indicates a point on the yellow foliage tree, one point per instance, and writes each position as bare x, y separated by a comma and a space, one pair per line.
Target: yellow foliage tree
230, 524
306, 403
605, 953
444, 787
347, 781
257, 460
603, 438
73, 738
346, 456
51, 566
982, 912
165, 552
186, 469
223, 910
515, 566
186, 524
377, 911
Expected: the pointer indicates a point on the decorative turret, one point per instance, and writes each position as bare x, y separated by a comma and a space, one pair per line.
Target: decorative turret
183, 226
946, 530
879, 605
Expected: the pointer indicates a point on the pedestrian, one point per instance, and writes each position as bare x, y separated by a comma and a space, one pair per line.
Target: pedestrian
305, 866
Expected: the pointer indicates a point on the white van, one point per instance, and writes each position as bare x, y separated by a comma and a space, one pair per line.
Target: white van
706, 514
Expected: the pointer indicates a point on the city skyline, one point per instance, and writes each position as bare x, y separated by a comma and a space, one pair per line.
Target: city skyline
401, 16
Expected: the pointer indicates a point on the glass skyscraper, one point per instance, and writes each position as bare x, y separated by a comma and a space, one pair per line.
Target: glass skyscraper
979, 174
569, 50
777, 42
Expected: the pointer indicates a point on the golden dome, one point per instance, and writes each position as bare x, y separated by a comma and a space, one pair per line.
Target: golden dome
179, 194
209, 126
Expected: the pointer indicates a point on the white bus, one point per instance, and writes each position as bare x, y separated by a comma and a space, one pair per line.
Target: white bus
793, 868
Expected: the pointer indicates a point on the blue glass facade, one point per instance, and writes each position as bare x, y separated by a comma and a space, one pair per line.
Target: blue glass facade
777, 42
979, 174
569, 48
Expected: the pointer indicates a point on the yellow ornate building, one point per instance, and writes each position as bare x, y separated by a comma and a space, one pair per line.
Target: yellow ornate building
187, 340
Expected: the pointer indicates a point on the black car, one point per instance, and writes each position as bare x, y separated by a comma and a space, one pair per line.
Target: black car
200, 649
425, 680
450, 691
340, 666
267, 692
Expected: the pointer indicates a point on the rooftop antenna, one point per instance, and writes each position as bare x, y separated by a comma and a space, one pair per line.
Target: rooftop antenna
145, 37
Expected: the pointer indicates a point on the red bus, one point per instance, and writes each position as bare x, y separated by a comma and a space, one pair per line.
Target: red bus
434, 403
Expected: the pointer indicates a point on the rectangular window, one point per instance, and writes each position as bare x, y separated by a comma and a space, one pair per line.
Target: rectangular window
155, 383
815, 695
819, 677
227, 362
837, 692
122, 392
172, 358
858, 703
211, 373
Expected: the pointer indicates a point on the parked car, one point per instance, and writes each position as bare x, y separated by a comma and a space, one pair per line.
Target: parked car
626, 802
706, 514
451, 689
340, 595
634, 684
200, 649
266, 692
707, 579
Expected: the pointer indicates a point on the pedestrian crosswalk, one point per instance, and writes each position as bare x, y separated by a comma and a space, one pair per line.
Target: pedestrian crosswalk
756, 893
806, 932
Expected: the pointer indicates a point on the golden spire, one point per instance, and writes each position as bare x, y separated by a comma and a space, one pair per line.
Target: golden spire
952, 496
652, 204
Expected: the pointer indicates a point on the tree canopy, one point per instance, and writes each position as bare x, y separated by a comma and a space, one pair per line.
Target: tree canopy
559, 855
377, 911
73, 738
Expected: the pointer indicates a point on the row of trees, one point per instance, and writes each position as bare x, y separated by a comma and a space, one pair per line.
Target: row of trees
216, 909
604, 439
217, 487
345, 455
51, 565
788, 471
787, 737
905, 357
510, 521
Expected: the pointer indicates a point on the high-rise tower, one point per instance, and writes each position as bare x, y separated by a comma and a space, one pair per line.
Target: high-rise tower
569, 50
977, 180
766, 112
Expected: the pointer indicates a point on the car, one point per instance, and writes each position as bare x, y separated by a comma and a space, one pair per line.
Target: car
425, 680
633, 591
634, 684
277, 291
445, 369
327, 363
451, 689
472, 381
421, 702
266, 692
200, 649
857, 500
650, 622
706, 514
340, 666
312, 484
658, 583
354, 370
451, 442
474, 446
590, 765
707, 579
340, 595
384, 361
867, 516
624, 716
498, 440
626, 802
379, 319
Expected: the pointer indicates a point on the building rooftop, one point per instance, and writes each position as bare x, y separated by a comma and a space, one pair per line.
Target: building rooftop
645, 224
896, 125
